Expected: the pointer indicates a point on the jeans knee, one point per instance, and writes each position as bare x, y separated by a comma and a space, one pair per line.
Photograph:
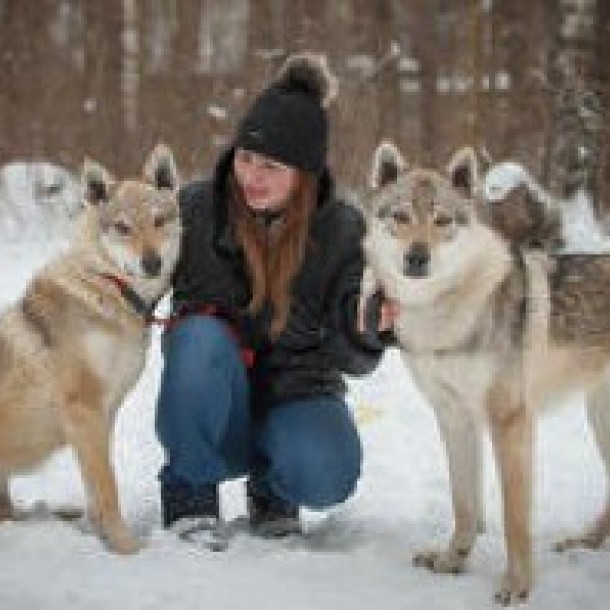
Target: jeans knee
202, 382
314, 465
196, 350
199, 340
324, 478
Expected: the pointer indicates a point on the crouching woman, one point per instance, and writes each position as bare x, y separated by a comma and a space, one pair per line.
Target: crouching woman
264, 300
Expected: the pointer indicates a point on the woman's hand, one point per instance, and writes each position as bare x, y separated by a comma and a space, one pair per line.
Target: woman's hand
388, 312
377, 313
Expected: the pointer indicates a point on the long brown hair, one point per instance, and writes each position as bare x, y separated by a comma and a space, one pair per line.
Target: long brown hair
274, 253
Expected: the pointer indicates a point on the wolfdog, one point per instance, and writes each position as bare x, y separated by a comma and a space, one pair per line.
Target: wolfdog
494, 323
75, 344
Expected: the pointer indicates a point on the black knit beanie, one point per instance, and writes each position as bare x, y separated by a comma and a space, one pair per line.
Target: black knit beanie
287, 121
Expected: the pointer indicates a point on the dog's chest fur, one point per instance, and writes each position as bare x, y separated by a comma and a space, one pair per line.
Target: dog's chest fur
454, 378
477, 314
456, 344
87, 321
116, 361
113, 341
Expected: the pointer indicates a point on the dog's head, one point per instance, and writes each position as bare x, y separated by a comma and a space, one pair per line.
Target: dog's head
137, 221
424, 223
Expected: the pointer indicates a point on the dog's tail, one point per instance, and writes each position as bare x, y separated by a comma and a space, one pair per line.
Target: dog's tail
505, 177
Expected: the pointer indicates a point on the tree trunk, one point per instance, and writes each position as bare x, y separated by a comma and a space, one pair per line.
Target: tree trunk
576, 147
424, 45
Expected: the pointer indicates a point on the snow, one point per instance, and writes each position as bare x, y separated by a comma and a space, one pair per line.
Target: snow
217, 112
357, 555
583, 231
37, 199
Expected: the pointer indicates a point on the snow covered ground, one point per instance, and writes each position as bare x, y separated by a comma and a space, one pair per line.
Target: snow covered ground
37, 199
357, 556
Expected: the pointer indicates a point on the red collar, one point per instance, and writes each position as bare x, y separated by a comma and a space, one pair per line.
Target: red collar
140, 306
137, 303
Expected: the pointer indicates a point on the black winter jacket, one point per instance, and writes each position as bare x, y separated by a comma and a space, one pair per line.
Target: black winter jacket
320, 341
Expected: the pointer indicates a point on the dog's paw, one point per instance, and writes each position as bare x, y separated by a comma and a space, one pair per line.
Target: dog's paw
509, 596
122, 541
588, 541
19, 513
6, 512
448, 562
68, 513
514, 590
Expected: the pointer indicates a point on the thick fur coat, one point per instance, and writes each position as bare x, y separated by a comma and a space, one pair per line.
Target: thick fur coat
73, 346
494, 324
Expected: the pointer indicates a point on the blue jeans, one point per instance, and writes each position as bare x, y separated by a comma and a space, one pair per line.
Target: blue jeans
305, 451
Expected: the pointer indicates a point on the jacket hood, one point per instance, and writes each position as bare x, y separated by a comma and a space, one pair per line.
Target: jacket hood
224, 235
326, 189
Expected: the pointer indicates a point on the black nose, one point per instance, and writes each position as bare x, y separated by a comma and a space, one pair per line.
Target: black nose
151, 263
417, 260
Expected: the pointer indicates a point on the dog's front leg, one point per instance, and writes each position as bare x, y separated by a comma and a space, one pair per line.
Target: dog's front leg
461, 436
512, 437
88, 431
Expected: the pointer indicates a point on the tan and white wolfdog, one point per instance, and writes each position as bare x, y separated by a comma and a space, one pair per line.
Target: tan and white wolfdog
493, 325
75, 344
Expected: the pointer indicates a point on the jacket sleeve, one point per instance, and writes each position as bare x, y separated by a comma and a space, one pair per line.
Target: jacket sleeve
190, 197
356, 353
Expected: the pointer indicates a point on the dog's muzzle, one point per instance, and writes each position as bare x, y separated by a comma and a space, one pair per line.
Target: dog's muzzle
417, 260
151, 263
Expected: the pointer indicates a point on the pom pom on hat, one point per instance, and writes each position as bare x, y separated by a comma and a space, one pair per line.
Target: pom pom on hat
287, 121
309, 73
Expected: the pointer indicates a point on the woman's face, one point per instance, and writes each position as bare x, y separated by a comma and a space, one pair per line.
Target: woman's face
266, 183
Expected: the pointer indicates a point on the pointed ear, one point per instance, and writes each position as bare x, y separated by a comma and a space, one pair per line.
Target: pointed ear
160, 168
97, 182
387, 165
463, 170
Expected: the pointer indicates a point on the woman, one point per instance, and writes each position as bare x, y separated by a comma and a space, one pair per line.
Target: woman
265, 298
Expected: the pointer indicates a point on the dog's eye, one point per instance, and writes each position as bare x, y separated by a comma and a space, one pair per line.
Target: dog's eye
401, 217
442, 220
122, 228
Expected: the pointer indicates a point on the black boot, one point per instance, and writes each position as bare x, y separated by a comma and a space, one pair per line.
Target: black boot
193, 513
271, 517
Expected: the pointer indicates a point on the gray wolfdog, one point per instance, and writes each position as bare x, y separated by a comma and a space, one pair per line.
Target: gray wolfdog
494, 325
75, 344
